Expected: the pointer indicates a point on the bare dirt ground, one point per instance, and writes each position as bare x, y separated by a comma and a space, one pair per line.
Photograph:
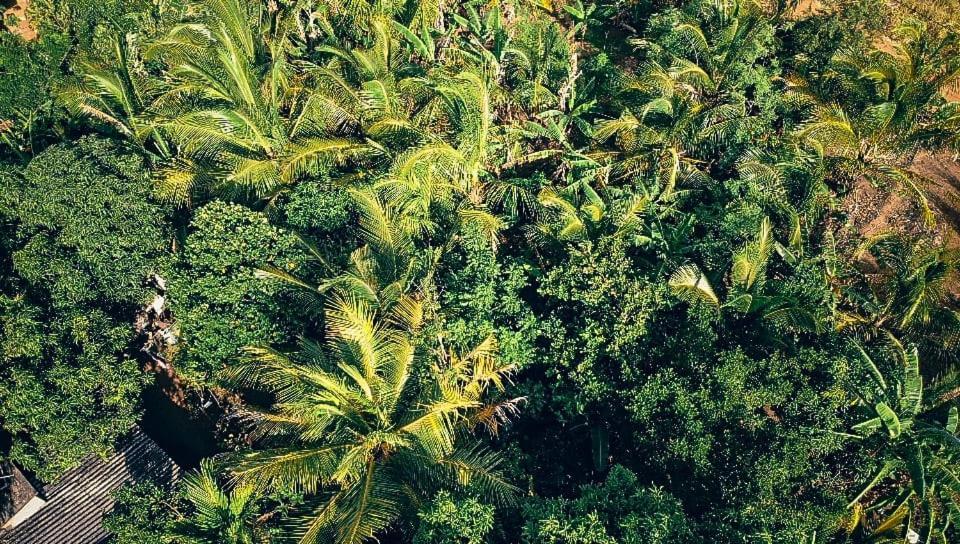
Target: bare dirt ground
872, 211
942, 186
23, 27
875, 210
807, 8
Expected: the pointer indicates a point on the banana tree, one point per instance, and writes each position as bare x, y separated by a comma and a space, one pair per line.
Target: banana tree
916, 488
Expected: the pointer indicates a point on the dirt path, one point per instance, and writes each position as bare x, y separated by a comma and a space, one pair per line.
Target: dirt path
23, 27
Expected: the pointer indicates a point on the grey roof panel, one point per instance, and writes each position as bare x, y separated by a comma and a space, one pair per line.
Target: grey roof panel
77, 502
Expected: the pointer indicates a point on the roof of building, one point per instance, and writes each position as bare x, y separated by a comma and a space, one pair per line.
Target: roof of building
16, 491
77, 503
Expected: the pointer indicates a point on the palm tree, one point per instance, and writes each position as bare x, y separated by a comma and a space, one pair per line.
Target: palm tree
892, 107
367, 430
229, 113
218, 516
898, 86
243, 118
749, 292
907, 296
120, 95
680, 103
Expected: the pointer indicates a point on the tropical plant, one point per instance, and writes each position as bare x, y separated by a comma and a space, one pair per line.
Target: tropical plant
685, 103
255, 127
119, 93
907, 296
85, 236
452, 520
748, 293
364, 428
919, 452
217, 515
891, 107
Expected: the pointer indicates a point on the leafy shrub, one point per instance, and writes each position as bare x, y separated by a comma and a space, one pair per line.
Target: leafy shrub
449, 520
142, 514
86, 236
318, 207
218, 302
90, 231
618, 511
28, 72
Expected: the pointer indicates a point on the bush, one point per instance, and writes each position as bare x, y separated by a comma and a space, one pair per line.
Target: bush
618, 511
142, 514
86, 236
90, 231
449, 520
218, 302
318, 207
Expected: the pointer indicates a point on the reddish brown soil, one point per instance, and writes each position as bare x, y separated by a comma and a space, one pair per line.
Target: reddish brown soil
878, 210
875, 210
872, 211
806, 8
23, 27
942, 186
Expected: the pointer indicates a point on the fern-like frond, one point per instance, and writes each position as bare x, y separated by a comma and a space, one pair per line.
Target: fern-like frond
689, 284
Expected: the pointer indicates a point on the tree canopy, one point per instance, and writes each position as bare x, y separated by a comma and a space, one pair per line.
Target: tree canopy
492, 271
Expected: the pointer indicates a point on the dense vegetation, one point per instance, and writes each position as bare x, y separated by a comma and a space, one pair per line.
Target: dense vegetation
490, 271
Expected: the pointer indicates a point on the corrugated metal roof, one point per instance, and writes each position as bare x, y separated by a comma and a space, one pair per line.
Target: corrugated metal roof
77, 502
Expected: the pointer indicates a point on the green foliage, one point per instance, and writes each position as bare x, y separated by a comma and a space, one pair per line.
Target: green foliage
360, 430
142, 514
218, 515
89, 231
202, 509
30, 70
600, 310
87, 237
219, 303
641, 200
371, 413
67, 390
318, 207
449, 520
618, 511
917, 445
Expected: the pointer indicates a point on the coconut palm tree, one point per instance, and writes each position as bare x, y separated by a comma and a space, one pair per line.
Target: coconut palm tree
891, 107
906, 296
379, 417
892, 92
242, 117
681, 102
367, 427
119, 94
218, 516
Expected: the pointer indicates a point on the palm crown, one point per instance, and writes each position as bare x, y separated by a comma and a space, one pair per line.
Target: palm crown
365, 434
